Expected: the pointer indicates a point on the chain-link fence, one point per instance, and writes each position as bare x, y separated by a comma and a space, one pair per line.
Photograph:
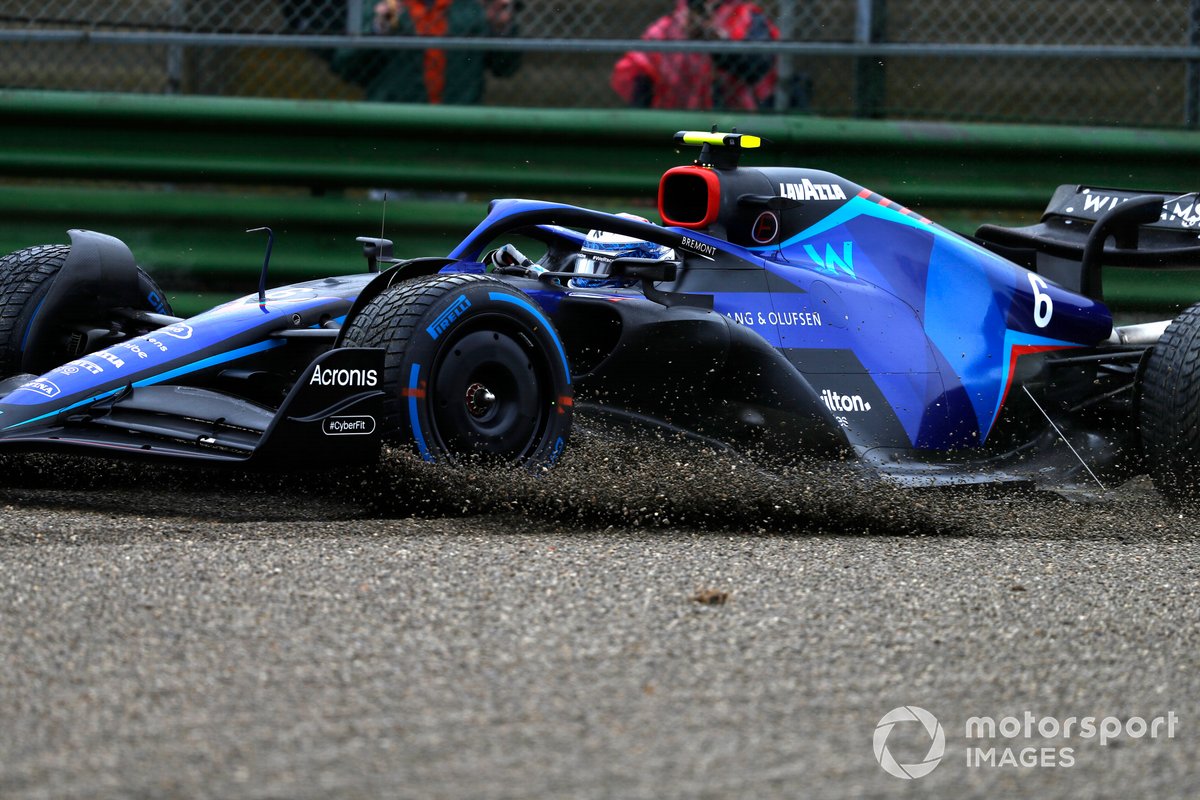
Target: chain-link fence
1108, 62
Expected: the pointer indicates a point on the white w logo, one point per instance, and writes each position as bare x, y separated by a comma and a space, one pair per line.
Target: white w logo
832, 262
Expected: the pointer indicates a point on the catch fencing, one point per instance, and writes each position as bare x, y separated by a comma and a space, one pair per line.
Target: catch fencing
1092, 62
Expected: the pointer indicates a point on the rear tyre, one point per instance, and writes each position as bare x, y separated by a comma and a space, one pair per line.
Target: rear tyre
25, 279
1170, 409
474, 371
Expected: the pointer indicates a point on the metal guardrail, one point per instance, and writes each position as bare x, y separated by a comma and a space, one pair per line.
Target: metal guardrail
879, 50
180, 178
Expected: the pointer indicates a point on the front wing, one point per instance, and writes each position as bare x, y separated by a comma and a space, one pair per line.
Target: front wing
332, 415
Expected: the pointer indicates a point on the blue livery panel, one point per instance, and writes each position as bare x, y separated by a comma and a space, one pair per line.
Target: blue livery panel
936, 321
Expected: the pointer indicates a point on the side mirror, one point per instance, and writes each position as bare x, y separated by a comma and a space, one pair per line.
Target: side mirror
376, 250
646, 269
650, 271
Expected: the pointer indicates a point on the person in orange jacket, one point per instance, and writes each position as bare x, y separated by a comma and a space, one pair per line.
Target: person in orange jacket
451, 77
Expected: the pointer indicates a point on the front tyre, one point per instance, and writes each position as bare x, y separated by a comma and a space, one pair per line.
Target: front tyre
25, 280
473, 369
1170, 409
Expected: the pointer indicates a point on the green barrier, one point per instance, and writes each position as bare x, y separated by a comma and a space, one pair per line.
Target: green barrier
328, 145
196, 246
181, 178
204, 233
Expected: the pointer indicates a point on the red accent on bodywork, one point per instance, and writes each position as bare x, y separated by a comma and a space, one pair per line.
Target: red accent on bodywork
880, 200
1017, 351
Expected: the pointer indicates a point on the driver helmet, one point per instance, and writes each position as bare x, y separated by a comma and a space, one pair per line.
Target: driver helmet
600, 248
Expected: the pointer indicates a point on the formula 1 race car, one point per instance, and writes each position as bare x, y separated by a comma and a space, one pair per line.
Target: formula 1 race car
783, 309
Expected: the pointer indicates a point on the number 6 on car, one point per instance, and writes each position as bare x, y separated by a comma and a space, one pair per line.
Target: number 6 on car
1043, 304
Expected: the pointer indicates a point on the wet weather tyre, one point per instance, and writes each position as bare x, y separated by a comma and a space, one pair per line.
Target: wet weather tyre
25, 279
1170, 409
474, 371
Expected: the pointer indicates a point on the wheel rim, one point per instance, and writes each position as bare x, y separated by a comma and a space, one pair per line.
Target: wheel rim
489, 396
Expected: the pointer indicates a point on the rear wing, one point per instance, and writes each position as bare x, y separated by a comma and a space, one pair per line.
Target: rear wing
1085, 228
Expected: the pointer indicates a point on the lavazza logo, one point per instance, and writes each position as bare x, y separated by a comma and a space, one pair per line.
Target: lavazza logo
807, 190
1023, 740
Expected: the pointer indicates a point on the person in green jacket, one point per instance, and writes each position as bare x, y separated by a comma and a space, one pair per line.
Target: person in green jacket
451, 77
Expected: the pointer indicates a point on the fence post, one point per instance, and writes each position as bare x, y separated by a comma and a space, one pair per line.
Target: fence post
1191, 100
175, 51
354, 18
869, 73
786, 63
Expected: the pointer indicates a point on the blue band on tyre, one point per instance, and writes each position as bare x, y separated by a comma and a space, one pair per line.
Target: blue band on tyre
516, 301
29, 327
414, 385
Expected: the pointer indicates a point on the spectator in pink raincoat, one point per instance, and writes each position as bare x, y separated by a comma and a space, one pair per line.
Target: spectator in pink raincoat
701, 80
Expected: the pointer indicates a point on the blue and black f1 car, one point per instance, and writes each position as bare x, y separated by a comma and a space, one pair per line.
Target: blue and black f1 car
794, 311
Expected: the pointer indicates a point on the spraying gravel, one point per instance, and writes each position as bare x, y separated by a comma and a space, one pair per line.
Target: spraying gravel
652, 619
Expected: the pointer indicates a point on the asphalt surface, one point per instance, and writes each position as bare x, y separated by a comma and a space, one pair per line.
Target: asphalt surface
649, 621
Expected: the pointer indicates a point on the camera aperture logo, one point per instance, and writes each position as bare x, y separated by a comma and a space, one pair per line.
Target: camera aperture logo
937, 747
